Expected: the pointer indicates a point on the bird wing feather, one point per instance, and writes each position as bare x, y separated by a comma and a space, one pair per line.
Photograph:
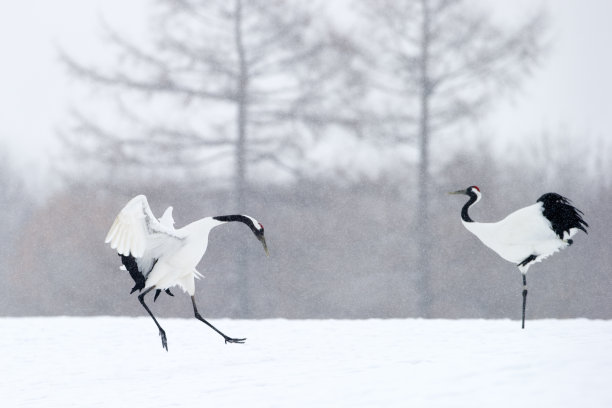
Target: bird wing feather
525, 226
166, 219
522, 233
136, 231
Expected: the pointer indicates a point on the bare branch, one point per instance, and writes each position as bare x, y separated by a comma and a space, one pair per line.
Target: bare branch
161, 85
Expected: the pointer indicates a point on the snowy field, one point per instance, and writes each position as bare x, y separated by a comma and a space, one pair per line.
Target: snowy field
119, 362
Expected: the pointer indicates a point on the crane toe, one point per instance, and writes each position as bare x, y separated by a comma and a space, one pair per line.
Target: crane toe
162, 334
231, 340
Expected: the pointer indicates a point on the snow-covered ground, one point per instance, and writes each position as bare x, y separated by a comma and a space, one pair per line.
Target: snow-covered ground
119, 362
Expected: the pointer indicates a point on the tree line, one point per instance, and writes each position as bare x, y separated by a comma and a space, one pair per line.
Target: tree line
219, 113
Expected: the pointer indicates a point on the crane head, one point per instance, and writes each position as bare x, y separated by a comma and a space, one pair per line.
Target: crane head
259, 233
250, 222
468, 191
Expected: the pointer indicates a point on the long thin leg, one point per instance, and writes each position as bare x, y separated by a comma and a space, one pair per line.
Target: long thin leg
200, 318
162, 333
524, 297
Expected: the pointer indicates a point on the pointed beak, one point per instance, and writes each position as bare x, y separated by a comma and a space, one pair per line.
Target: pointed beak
457, 192
263, 242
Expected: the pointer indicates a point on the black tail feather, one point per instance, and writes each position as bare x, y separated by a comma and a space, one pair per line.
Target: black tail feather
158, 291
130, 264
528, 260
562, 215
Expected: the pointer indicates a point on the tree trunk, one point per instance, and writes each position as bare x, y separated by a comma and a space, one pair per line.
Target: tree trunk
422, 221
240, 160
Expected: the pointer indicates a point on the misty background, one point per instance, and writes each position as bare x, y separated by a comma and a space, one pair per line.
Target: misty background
339, 125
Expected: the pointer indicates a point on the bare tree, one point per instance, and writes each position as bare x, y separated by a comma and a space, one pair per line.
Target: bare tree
17, 204
222, 81
340, 268
433, 64
224, 84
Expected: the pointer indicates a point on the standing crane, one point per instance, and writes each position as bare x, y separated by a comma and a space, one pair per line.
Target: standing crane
158, 256
528, 235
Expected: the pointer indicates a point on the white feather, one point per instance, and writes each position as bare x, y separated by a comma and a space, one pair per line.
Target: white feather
166, 256
135, 228
166, 219
119, 243
112, 232
522, 233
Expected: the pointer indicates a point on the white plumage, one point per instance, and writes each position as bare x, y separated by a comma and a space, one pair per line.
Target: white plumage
166, 219
528, 235
522, 233
158, 256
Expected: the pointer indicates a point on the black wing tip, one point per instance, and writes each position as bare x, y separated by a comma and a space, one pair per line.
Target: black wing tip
132, 267
562, 214
528, 260
554, 197
158, 291
138, 287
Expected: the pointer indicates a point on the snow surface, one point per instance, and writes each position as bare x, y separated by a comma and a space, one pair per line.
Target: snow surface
119, 362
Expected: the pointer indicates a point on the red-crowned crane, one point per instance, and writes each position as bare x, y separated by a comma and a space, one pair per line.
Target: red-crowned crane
528, 235
158, 256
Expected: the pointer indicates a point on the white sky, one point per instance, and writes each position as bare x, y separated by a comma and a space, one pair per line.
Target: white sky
35, 92
572, 90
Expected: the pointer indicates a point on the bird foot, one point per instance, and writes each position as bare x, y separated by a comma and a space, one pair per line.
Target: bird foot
162, 334
230, 340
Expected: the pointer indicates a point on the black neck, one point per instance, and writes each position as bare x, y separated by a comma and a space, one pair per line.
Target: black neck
464, 211
237, 217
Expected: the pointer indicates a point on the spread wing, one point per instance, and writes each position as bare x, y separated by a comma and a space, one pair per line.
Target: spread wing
167, 219
136, 230
139, 237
